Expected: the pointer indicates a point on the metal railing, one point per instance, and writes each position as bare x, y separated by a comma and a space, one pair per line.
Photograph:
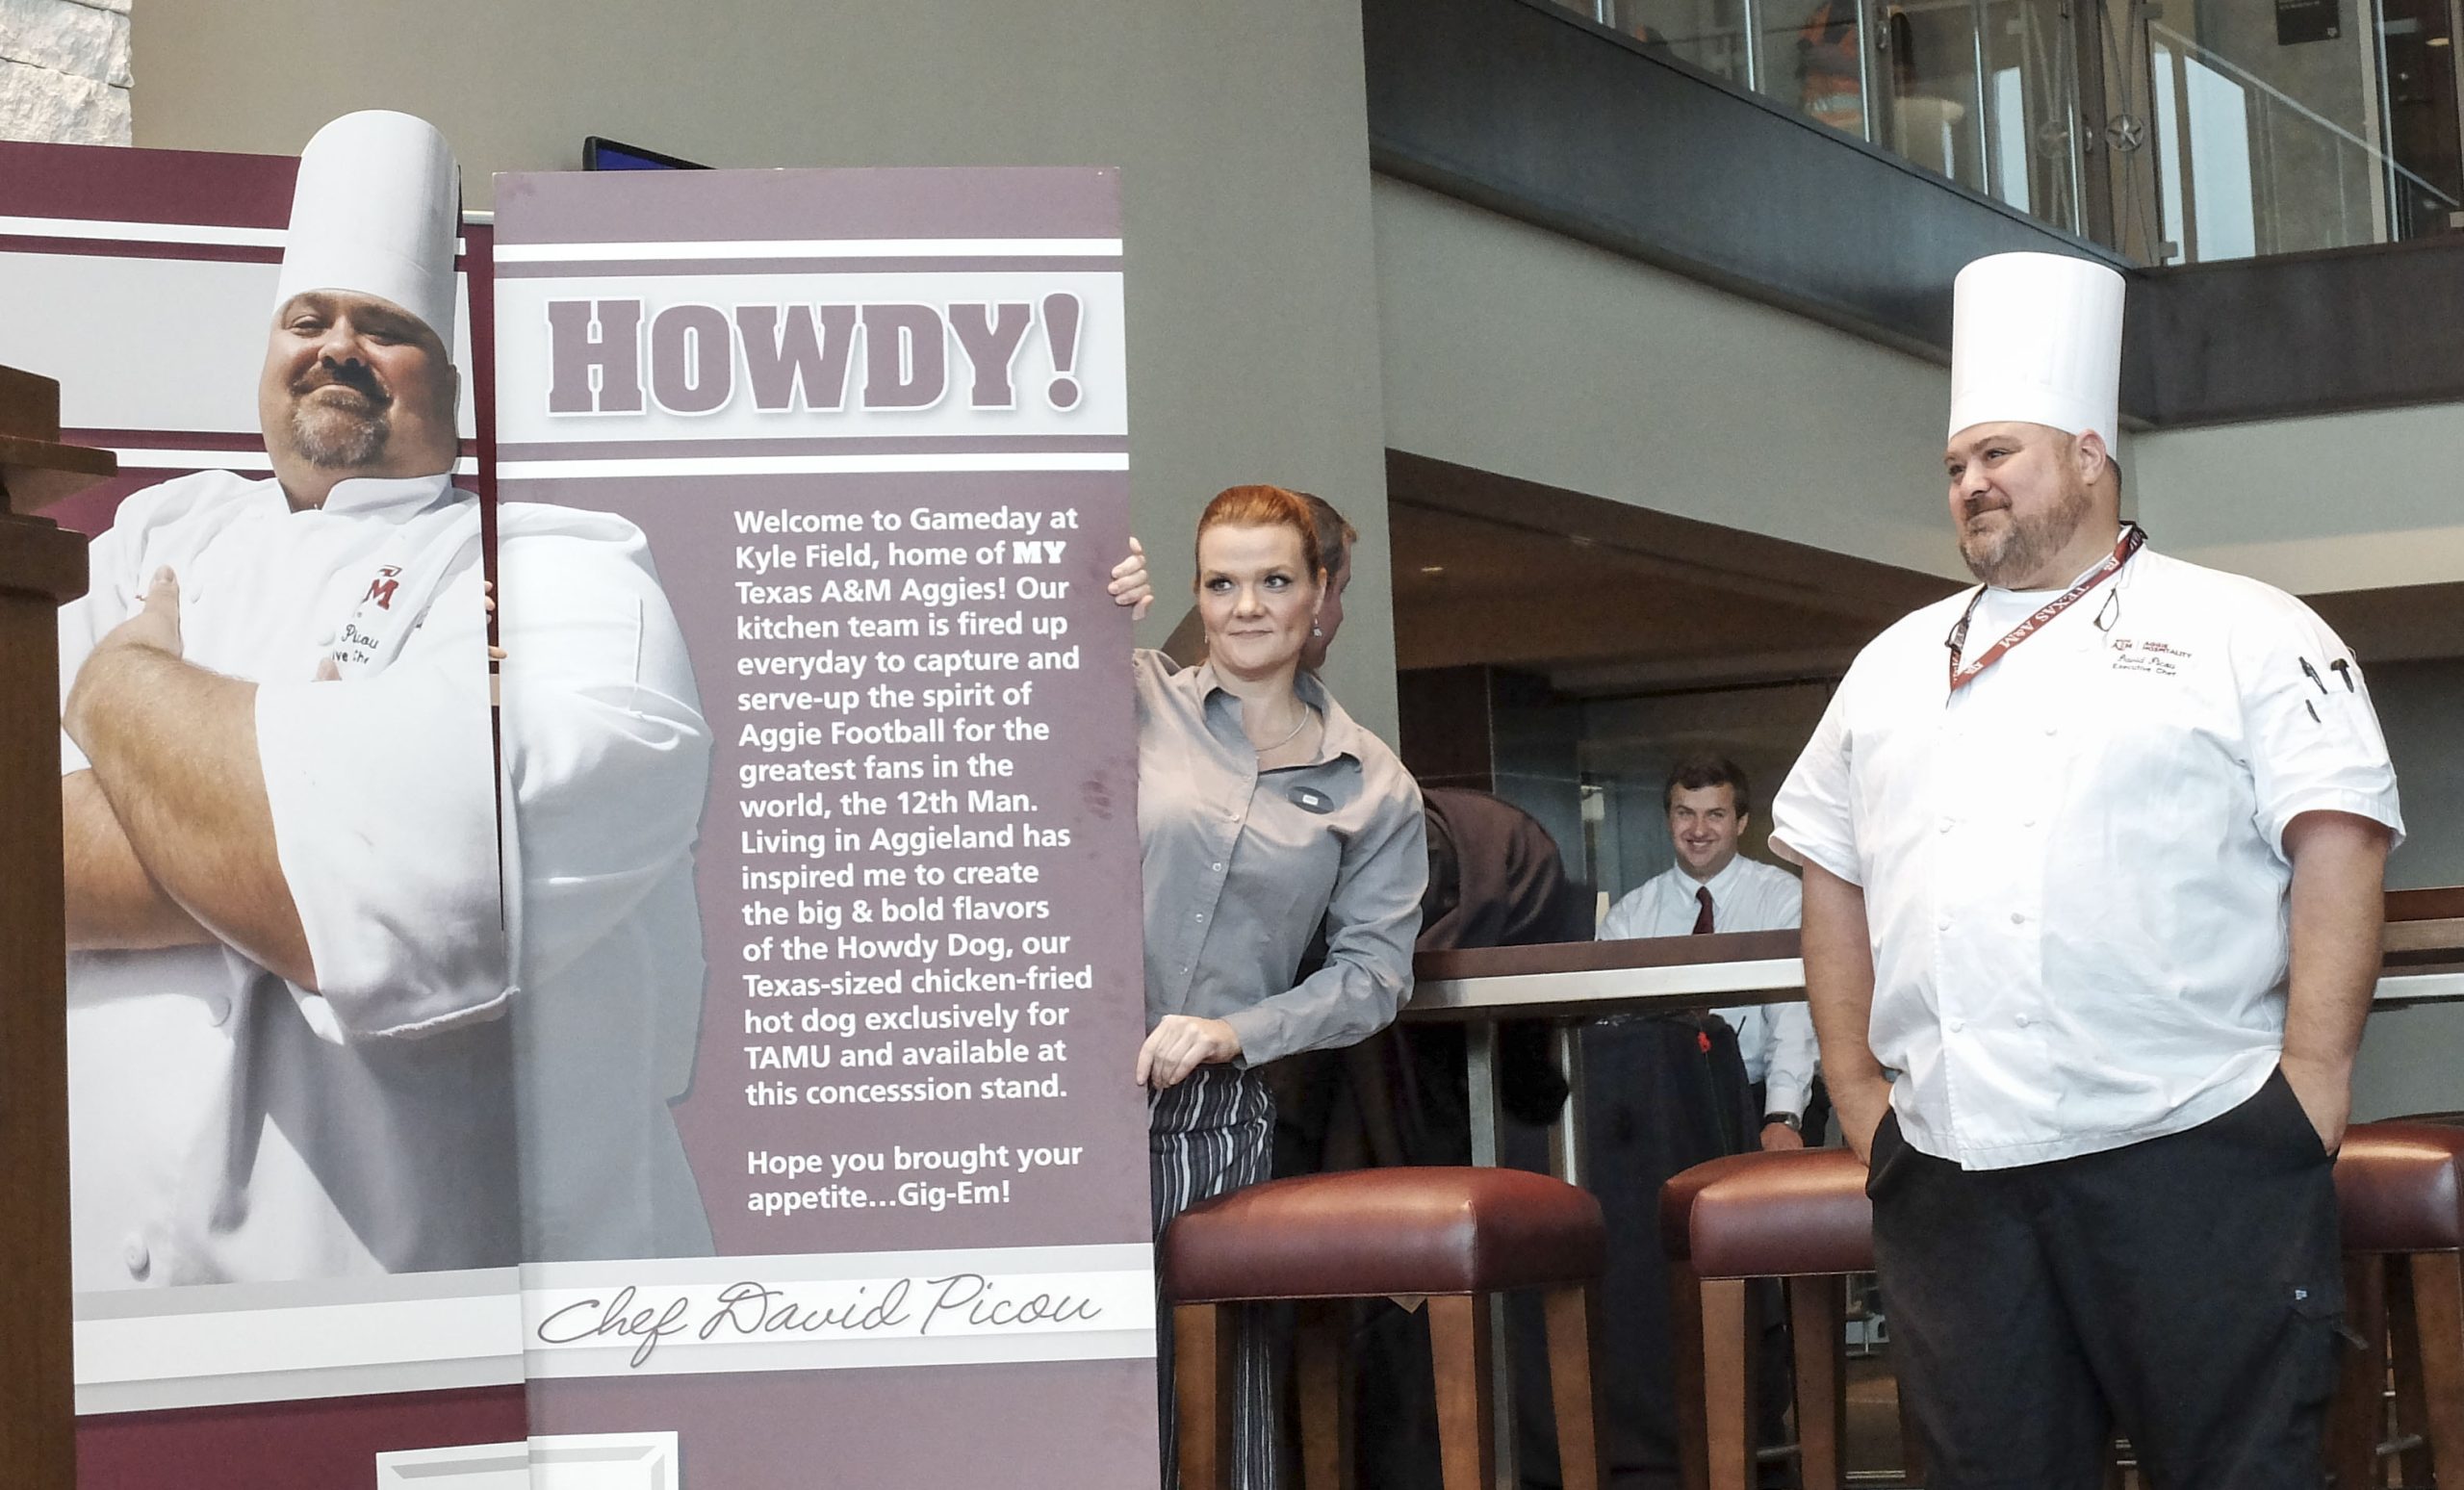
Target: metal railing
2100, 119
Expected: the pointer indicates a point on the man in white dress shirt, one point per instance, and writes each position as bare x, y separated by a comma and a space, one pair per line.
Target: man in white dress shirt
289, 979
1714, 888
2094, 860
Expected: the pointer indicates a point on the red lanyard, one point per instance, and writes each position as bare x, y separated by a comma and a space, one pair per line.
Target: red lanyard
2131, 540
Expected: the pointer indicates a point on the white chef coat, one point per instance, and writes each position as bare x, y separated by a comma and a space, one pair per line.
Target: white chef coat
2073, 867
1776, 1039
227, 1125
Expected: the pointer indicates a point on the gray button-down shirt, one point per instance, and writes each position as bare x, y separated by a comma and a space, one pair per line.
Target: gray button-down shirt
1242, 866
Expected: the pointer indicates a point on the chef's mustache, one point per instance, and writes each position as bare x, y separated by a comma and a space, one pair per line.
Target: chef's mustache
354, 375
1972, 507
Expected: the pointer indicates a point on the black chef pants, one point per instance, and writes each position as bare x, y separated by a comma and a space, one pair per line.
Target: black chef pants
2185, 1290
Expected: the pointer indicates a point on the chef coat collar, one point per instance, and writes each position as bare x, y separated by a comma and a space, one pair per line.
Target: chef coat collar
397, 497
1340, 737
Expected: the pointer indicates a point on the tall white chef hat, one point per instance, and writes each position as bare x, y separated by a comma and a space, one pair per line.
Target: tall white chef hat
376, 212
2036, 338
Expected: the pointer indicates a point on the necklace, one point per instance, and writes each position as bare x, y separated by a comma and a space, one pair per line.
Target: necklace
1304, 724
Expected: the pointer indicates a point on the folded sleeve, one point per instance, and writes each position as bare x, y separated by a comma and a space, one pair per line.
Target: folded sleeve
383, 796
604, 740
1372, 918
2308, 724
1814, 818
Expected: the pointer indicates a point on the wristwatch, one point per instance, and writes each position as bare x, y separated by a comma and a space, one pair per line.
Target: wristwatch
1794, 1124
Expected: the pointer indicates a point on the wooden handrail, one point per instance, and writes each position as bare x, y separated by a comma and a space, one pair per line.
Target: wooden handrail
2425, 927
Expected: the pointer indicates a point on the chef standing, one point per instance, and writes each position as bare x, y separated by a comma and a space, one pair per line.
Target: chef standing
289, 976
2094, 856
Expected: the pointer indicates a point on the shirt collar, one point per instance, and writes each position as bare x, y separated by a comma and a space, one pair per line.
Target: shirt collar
388, 496
1719, 884
1341, 737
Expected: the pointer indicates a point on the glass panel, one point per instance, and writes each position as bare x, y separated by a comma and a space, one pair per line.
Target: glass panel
1811, 56
2286, 129
2030, 107
1936, 110
1709, 33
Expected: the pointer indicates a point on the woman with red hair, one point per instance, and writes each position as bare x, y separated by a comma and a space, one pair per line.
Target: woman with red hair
1265, 816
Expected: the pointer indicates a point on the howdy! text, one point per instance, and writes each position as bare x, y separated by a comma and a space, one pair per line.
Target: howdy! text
605, 358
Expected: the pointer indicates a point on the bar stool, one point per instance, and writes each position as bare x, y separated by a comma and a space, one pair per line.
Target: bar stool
2400, 1193
1454, 1236
1800, 1217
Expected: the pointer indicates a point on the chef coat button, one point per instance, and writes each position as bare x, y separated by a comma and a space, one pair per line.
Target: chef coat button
2053, 728
1201, 915
2023, 1021
1945, 825
1942, 923
1957, 1025
2018, 918
218, 1009
140, 1262
1219, 868
2027, 822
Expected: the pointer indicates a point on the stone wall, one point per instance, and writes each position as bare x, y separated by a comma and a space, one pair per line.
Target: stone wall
63, 70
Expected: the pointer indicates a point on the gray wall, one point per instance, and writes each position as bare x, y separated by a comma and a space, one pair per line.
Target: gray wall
2332, 503
1240, 131
1512, 348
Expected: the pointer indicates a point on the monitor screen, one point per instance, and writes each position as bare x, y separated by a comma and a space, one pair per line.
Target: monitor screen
601, 154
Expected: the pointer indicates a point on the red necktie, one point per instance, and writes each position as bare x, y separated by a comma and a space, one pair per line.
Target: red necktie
1702, 921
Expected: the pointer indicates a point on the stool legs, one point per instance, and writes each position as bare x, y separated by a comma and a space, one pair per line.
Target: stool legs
2438, 1314
1323, 1382
1727, 1404
1817, 1330
1573, 1382
2403, 1337
1202, 1372
2358, 1417
1460, 1348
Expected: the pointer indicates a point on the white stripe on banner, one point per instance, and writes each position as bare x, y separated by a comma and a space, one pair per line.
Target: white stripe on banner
228, 460
838, 1311
141, 232
194, 460
808, 465
162, 232
144, 1351
815, 249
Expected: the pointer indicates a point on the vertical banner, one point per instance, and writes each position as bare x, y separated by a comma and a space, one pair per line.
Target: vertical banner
829, 989
293, 1227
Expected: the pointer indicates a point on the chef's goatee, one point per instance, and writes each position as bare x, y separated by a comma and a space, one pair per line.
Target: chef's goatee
376, 211
2036, 337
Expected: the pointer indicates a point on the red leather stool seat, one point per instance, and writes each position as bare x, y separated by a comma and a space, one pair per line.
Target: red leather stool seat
2401, 1206
2398, 1187
1778, 1215
1454, 1236
1368, 1232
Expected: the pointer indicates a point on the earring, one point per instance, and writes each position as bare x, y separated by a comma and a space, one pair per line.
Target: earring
1316, 631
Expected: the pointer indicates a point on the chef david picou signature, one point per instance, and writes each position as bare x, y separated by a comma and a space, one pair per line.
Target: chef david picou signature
961, 1304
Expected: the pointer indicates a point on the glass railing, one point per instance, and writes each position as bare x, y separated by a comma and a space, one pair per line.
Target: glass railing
2267, 126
